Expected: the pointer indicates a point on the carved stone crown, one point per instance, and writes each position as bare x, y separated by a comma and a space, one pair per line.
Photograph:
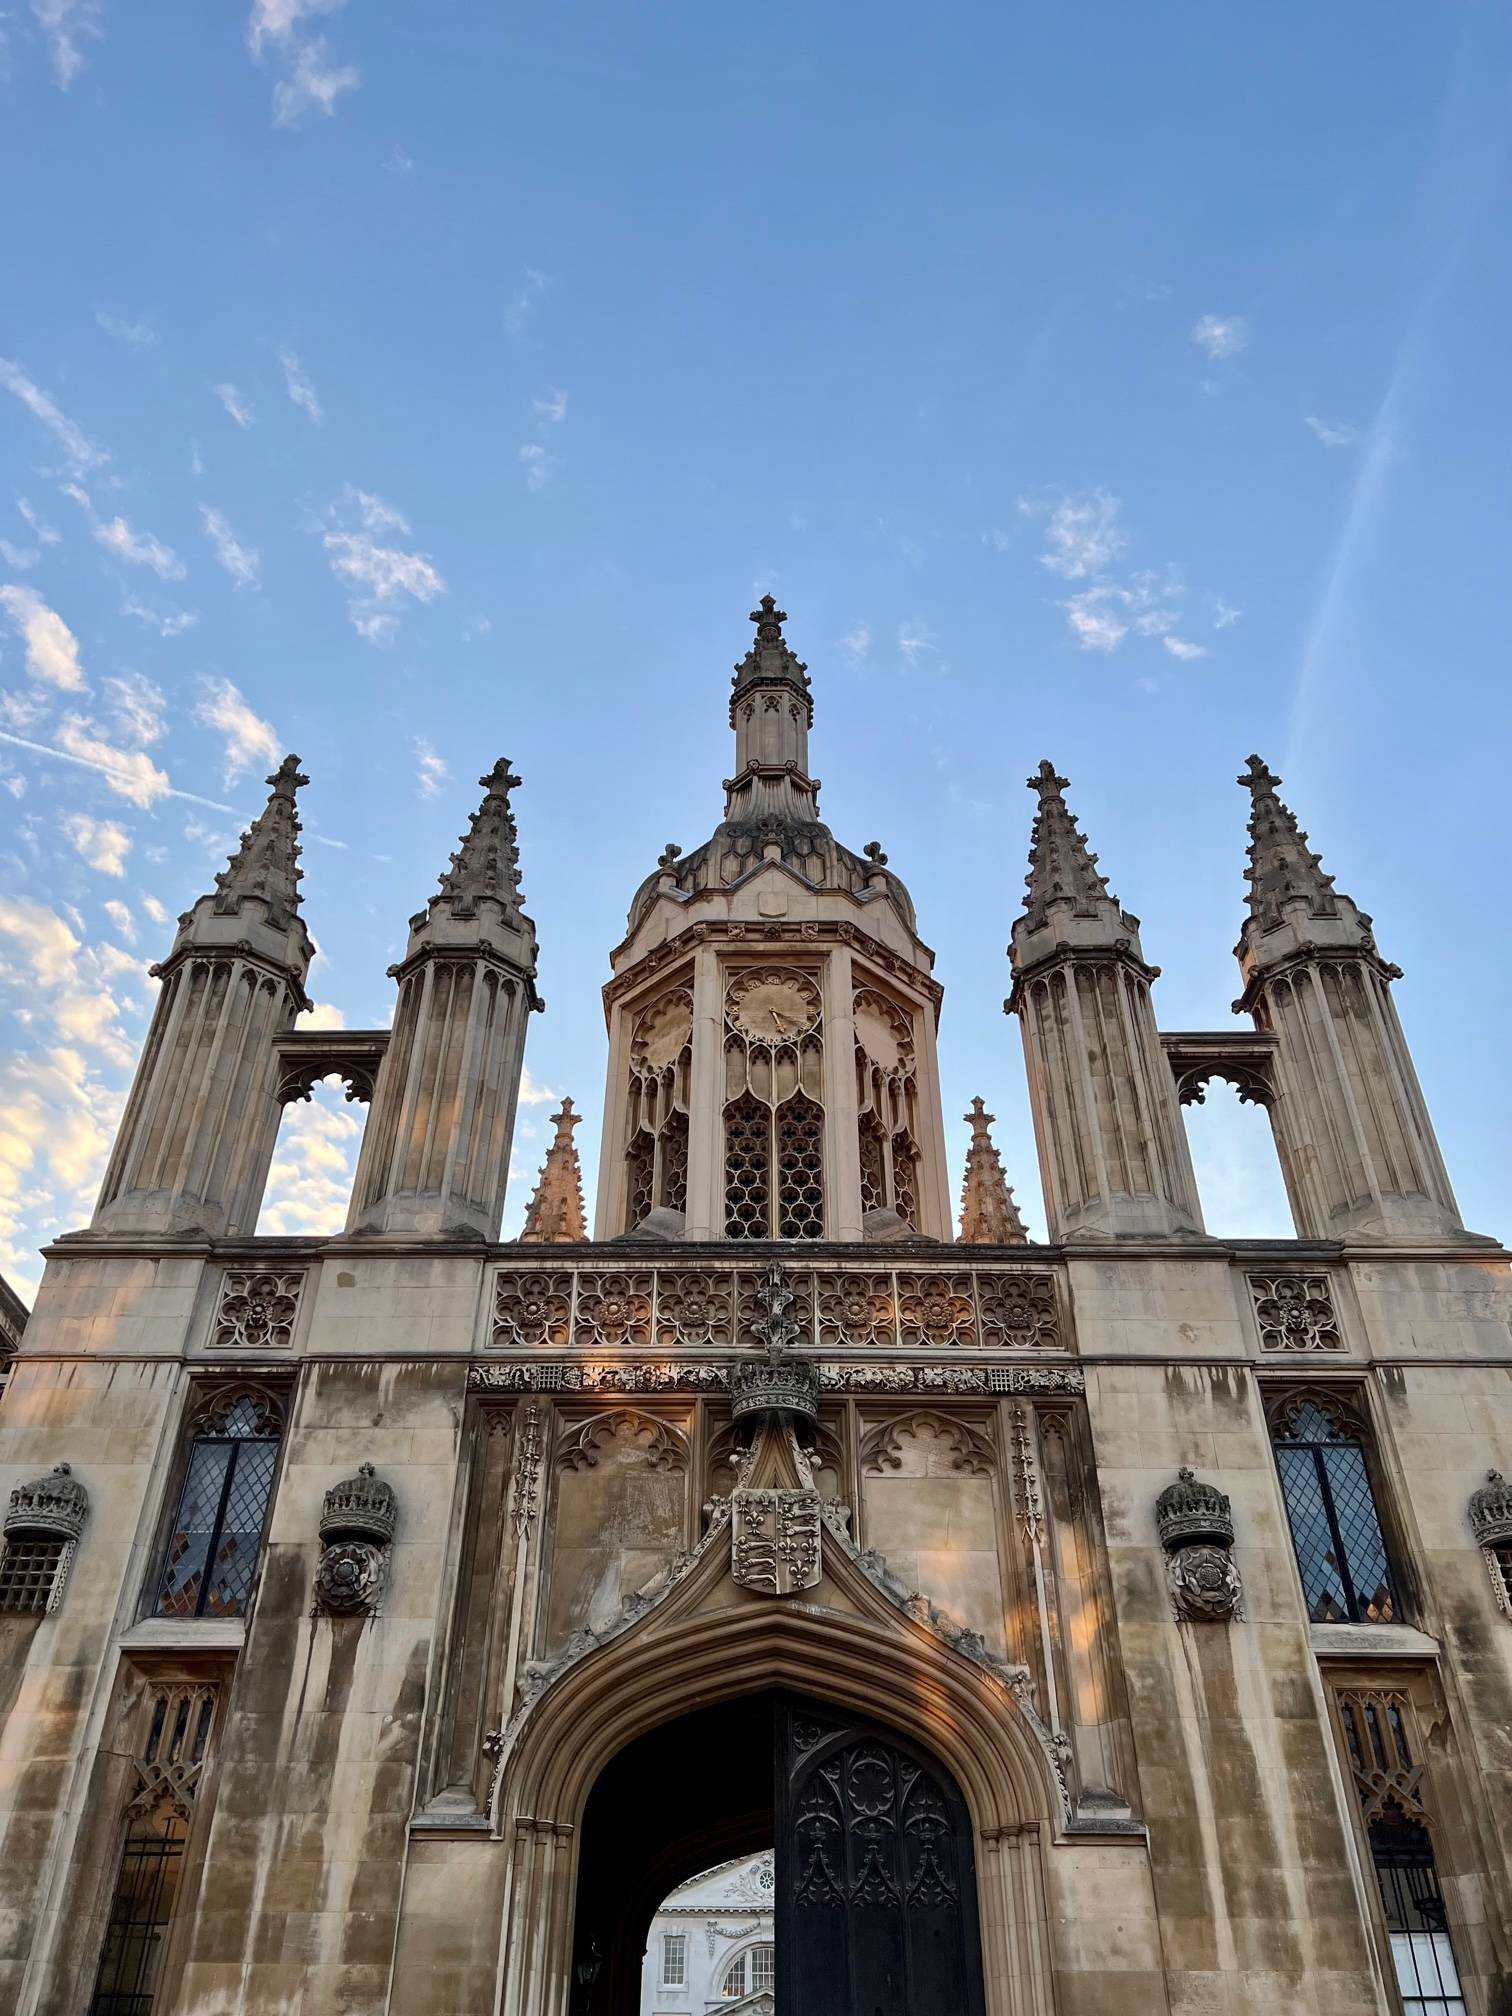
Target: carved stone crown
360, 1508
774, 1386
1490, 1511
1187, 1511
50, 1507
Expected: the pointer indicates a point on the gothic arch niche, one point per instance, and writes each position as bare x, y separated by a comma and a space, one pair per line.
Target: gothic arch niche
1233, 1147
705, 1645
658, 1102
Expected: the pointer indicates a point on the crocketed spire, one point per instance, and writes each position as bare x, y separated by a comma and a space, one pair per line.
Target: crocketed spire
1062, 869
989, 1216
266, 862
487, 863
1282, 869
555, 1215
770, 662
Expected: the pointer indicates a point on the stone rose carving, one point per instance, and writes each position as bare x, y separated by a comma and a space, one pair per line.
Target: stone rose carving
356, 1532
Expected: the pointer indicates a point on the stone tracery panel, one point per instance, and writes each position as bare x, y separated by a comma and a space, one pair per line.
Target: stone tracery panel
658, 1098
887, 1121
773, 1104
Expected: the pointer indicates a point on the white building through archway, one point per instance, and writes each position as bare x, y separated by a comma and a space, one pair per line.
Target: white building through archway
710, 1944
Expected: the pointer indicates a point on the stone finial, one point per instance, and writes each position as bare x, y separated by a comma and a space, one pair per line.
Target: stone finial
266, 862
53, 1507
669, 856
555, 1215
1062, 868
770, 660
1490, 1510
873, 852
487, 863
989, 1216
1283, 870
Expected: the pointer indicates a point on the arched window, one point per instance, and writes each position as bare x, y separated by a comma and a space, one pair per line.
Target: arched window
223, 1507
1321, 1446
749, 1972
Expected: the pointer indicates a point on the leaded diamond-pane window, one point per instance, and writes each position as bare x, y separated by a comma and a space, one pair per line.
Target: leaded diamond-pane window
1330, 1504
212, 1550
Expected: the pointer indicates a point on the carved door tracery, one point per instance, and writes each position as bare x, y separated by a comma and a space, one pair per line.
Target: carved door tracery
876, 1879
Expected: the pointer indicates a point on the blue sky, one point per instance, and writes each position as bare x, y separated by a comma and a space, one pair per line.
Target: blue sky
408, 386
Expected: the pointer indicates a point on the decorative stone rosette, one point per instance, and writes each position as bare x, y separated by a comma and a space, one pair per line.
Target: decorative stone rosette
1195, 1522
356, 1533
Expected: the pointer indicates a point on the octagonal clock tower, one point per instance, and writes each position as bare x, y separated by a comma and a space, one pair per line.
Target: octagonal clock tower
772, 1015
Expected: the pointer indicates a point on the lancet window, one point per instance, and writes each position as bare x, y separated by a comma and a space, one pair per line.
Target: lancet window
1384, 1754
1321, 1445
656, 1124
773, 1105
213, 1545
169, 1769
886, 1106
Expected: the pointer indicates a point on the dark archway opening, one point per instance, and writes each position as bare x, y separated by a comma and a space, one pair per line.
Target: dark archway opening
676, 1801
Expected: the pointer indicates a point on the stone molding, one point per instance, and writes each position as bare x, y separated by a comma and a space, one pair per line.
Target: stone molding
694, 1305
631, 1376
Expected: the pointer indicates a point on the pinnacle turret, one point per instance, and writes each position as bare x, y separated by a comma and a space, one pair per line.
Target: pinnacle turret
266, 862
1062, 868
487, 862
989, 1216
770, 660
1282, 868
555, 1215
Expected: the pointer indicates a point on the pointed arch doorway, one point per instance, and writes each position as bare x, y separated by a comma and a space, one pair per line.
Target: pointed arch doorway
875, 1895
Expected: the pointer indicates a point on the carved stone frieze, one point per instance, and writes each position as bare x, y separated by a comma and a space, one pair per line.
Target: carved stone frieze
555, 1377
532, 1309
257, 1309
1295, 1312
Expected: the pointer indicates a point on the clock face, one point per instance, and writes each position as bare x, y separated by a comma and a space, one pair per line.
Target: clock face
773, 1007
879, 1034
663, 1031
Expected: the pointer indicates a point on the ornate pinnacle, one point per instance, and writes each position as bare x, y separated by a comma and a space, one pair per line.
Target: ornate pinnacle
266, 862
1062, 869
1282, 868
770, 661
487, 863
555, 1215
989, 1216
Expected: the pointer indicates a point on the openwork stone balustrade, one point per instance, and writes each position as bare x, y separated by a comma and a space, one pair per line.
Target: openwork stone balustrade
692, 1307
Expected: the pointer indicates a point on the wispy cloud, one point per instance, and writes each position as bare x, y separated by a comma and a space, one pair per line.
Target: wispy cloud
551, 406
1083, 534
1221, 336
916, 642
532, 1093
382, 574
1223, 614
166, 622
430, 770
102, 844
1183, 648
74, 442
856, 643
131, 773
300, 390
308, 80
236, 405
242, 563
65, 23
138, 334
539, 467
125, 923
137, 708
1334, 433
248, 738
1103, 615
138, 549
52, 650
522, 303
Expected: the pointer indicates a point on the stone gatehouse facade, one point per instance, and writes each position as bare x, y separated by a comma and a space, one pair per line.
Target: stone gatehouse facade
390, 1622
